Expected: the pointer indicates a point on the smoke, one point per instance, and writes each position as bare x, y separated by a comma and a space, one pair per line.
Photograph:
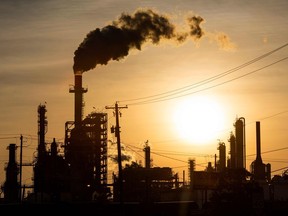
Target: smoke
126, 155
114, 41
223, 41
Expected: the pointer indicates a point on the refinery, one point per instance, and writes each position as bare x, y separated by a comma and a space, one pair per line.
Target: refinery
72, 177
77, 179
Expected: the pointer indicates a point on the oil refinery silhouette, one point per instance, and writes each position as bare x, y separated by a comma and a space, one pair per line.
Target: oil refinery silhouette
76, 181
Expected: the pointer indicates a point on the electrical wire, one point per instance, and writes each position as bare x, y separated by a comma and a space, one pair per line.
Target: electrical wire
265, 152
186, 88
160, 99
156, 151
279, 169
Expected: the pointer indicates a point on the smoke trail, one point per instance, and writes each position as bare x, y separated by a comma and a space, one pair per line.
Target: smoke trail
126, 154
114, 41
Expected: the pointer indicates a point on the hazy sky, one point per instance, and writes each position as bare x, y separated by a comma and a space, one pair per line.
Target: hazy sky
37, 44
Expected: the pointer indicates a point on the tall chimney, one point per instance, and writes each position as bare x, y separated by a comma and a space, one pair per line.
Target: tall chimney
78, 91
258, 143
147, 155
42, 129
11, 185
258, 168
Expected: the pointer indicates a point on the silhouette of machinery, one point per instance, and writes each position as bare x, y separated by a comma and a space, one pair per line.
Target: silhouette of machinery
80, 172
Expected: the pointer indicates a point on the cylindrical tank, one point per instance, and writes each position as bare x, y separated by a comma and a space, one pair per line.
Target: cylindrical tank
232, 141
240, 142
222, 156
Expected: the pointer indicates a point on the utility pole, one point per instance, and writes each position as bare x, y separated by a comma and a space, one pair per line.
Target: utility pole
117, 134
20, 172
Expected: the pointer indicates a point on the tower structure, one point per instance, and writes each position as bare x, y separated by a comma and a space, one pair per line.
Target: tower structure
11, 185
95, 126
147, 155
232, 160
259, 170
42, 130
222, 157
240, 154
86, 148
50, 170
78, 91
191, 170
39, 168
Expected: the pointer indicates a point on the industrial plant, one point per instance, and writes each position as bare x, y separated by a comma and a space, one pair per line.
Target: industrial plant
78, 177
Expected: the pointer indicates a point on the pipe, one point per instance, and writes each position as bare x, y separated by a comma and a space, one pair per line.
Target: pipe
78, 91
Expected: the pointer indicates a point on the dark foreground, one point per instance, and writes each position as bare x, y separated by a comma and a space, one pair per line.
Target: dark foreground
141, 209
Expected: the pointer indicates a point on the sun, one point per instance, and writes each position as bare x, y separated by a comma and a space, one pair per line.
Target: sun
199, 120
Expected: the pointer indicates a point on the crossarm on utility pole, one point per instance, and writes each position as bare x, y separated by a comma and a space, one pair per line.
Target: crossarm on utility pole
117, 134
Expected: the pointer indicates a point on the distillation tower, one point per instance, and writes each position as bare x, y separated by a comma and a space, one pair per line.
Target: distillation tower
86, 149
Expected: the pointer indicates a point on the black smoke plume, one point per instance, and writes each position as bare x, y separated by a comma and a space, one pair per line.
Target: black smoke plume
114, 41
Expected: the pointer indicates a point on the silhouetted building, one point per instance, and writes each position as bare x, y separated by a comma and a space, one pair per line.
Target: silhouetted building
11, 185
222, 157
191, 169
51, 171
240, 142
259, 170
145, 184
86, 152
79, 172
203, 184
147, 155
238, 145
232, 160
279, 187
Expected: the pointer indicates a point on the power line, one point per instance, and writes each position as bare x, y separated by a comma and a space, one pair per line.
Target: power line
169, 157
189, 87
213, 86
171, 152
279, 169
136, 152
274, 115
8, 137
265, 152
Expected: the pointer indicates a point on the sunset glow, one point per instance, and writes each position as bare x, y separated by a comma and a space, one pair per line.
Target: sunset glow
185, 72
199, 120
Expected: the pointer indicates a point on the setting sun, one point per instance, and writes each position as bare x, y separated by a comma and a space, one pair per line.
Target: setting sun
199, 119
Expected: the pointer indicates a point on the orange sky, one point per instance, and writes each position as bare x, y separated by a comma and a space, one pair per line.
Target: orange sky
37, 46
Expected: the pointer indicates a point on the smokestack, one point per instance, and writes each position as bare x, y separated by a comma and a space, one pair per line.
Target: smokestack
258, 169
78, 91
12, 154
42, 129
258, 142
147, 157
11, 185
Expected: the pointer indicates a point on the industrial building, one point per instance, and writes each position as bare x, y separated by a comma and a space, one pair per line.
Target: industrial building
78, 173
